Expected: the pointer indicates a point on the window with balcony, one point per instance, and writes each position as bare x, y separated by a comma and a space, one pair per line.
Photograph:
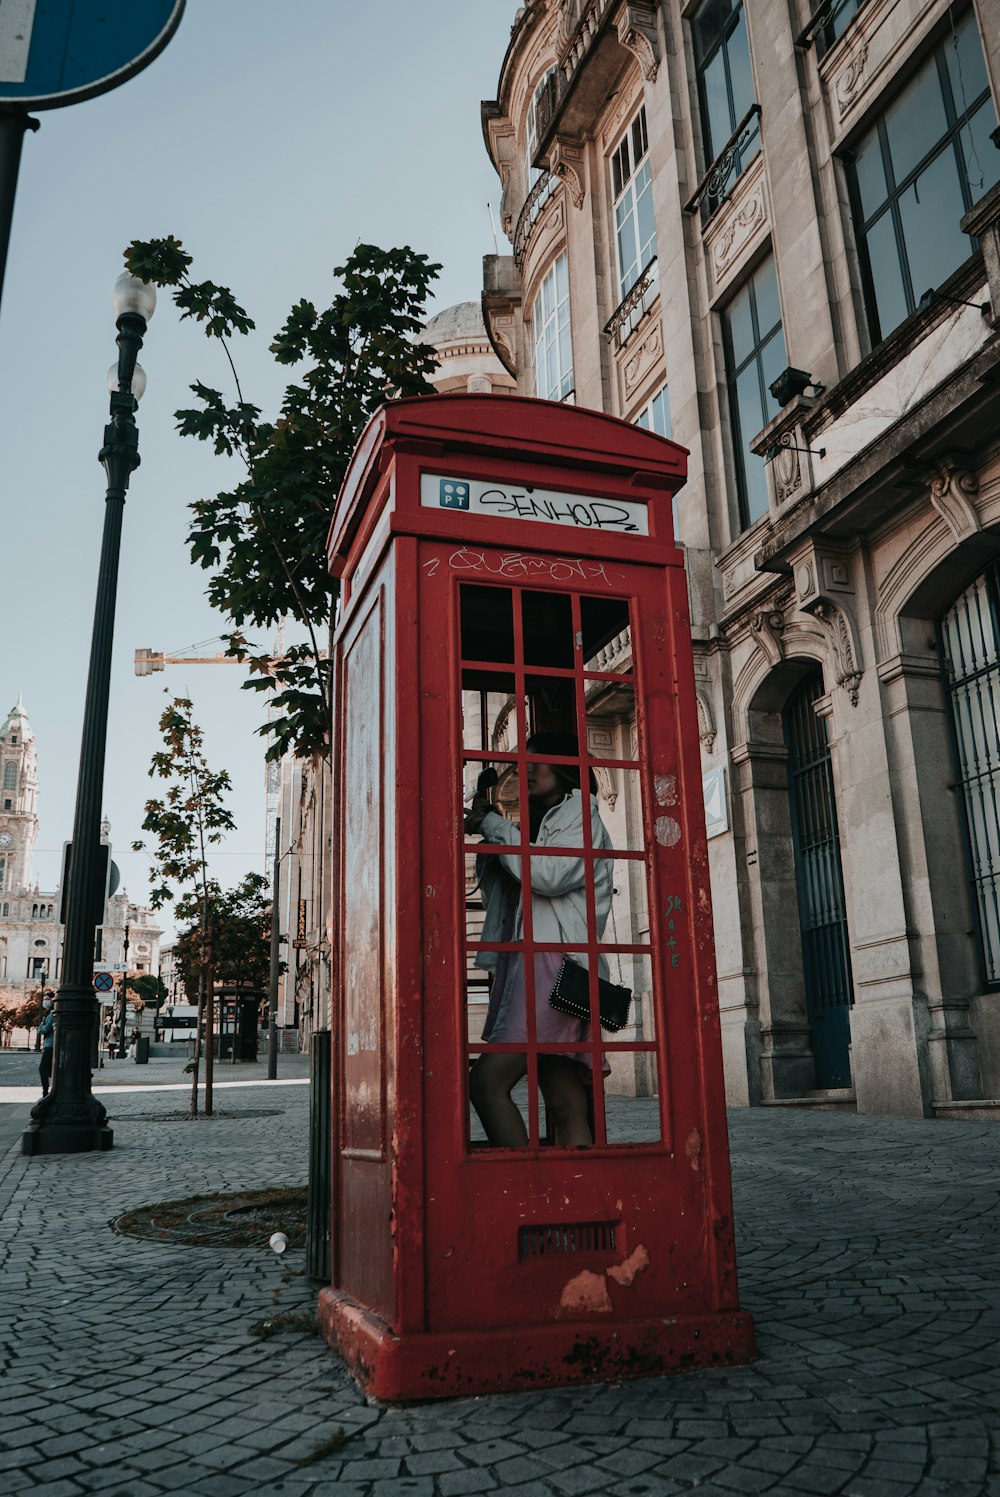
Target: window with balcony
632, 188
755, 356
726, 95
917, 171
553, 347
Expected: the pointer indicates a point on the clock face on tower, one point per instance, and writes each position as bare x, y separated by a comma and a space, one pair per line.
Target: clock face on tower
6, 841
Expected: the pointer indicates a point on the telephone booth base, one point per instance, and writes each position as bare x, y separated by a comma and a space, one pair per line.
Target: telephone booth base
397, 1369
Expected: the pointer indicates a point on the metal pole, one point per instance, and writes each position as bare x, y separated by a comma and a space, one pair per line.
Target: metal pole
71, 1119
13, 123
122, 1047
272, 1030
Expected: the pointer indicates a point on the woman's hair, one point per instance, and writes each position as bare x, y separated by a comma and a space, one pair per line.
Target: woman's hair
564, 746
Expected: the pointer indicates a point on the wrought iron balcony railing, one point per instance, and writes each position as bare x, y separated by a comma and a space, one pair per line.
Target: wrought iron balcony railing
714, 187
531, 212
634, 305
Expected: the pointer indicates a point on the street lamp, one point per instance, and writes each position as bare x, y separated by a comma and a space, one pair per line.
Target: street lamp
70, 1120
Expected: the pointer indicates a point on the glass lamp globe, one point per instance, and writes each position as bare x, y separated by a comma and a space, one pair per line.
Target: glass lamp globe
133, 295
138, 381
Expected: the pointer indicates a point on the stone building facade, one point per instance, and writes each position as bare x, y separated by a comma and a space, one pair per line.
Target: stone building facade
772, 232
30, 930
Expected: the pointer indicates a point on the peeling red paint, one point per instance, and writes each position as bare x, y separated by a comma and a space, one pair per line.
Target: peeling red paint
624, 1273
692, 1149
587, 1291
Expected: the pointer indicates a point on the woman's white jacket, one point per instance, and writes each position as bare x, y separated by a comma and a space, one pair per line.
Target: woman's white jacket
558, 883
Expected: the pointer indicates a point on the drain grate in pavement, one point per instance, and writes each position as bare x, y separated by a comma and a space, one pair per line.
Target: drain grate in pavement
241, 1219
185, 1117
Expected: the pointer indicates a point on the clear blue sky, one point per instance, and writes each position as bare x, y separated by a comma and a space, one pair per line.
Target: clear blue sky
270, 139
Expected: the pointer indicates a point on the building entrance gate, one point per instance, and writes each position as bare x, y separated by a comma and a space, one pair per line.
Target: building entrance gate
826, 961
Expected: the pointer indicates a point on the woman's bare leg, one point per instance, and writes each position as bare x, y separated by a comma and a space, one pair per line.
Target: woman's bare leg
491, 1081
566, 1099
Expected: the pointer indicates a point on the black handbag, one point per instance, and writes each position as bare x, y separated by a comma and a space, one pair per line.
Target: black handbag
571, 995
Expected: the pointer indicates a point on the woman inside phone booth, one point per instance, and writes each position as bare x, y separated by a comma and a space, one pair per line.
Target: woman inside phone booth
558, 916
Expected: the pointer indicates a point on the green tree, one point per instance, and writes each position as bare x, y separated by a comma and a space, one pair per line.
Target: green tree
264, 541
189, 819
241, 921
148, 989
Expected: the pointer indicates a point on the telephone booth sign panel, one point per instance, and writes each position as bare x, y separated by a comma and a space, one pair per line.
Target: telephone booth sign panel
530, 1160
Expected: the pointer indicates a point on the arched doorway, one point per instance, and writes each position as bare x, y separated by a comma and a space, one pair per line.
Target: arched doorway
826, 961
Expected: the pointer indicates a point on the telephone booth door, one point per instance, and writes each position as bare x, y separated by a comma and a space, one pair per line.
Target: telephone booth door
583, 652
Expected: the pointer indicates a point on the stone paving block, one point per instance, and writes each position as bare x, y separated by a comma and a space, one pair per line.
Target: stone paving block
467, 1482
403, 1486
432, 1462
491, 1452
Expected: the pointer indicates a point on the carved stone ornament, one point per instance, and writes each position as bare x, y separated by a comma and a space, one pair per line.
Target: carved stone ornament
706, 723
849, 82
641, 361
953, 491
786, 468
636, 28
766, 627
606, 787
566, 163
738, 231
844, 645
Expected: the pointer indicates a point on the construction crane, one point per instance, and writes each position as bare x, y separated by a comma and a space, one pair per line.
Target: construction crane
148, 661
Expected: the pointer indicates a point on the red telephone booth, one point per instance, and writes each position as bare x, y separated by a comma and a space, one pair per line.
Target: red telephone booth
521, 1196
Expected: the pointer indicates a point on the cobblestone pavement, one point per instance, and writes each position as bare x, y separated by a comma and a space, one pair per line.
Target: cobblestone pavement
870, 1257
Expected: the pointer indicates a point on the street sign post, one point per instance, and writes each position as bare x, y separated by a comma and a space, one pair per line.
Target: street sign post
56, 52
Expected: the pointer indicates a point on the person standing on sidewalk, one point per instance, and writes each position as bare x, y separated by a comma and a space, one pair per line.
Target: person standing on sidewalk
46, 1032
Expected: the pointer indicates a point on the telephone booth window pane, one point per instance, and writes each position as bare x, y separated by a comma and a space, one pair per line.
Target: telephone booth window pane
611, 720
487, 621
628, 917
605, 630
551, 703
548, 629
490, 720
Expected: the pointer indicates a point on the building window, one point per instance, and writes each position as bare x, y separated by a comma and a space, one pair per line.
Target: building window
969, 639
632, 187
921, 167
3, 873
6, 909
533, 172
656, 415
10, 775
553, 345
725, 88
8, 805
755, 356
831, 20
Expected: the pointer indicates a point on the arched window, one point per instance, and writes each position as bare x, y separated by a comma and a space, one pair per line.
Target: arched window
10, 775
969, 635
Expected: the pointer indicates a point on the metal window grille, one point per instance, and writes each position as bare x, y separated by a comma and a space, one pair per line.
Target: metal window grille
969, 636
819, 880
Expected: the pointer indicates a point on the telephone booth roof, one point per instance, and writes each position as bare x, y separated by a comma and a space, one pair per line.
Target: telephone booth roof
516, 432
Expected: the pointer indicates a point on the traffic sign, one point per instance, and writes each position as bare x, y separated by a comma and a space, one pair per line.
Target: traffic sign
103, 982
110, 967
55, 52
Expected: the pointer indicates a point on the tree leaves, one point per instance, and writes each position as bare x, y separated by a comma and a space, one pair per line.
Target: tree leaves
264, 542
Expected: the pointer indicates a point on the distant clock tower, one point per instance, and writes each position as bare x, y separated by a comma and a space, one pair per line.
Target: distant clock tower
18, 799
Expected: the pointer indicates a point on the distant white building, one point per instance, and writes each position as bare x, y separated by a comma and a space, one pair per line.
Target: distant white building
30, 932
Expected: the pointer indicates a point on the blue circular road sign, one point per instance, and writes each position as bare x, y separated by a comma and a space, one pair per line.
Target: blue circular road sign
55, 52
103, 982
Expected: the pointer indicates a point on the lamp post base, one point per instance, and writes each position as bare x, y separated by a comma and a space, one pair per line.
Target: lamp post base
56, 1138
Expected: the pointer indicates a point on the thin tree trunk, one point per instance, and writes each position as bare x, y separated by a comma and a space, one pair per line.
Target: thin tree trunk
209, 1026
197, 1042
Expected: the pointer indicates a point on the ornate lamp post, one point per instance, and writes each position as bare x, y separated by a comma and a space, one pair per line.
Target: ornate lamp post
71, 1119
